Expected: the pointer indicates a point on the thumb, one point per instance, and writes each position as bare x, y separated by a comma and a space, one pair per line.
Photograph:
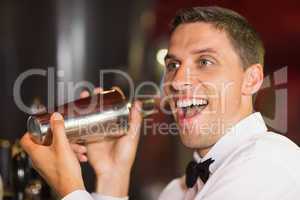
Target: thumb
129, 142
58, 130
135, 121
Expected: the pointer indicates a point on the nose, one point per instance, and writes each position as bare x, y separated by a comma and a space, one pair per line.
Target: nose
182, 79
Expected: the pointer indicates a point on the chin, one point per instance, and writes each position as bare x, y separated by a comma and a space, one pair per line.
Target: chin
190, 141
198, 141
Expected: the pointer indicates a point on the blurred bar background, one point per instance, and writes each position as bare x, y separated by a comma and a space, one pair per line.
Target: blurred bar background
78, 38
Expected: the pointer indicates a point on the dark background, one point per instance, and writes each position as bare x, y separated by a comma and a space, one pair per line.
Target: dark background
126, 35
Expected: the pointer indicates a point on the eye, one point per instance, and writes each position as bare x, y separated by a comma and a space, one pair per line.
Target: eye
205, 62
172, 65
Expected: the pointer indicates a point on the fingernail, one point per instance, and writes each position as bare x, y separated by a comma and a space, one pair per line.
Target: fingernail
138, 105
84, 159
83, 149
85, 92
57, 116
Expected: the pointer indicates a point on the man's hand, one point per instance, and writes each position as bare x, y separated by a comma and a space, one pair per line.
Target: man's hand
56, 163
112, 158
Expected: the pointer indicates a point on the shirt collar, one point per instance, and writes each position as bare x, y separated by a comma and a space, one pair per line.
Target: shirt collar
239, 133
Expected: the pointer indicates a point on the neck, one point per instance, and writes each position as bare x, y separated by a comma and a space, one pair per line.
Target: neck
203, 151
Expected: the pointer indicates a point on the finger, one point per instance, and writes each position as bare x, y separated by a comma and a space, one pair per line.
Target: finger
28, 144
135, 121
82, 158
79, 149
84, 94
58, 130
129, 142
98, 90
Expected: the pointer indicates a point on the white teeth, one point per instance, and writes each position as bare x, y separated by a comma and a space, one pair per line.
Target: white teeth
190, 102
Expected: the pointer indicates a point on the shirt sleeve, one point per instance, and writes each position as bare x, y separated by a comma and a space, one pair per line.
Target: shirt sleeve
173, 191
98, 196
78, 195
84, 195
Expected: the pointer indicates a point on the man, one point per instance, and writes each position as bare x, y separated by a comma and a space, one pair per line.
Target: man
214, 66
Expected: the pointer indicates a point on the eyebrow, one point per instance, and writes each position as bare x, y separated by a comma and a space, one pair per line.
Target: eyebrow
205, 50
197, 51
170, 56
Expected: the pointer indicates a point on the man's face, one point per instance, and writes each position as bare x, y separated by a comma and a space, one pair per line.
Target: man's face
203, 80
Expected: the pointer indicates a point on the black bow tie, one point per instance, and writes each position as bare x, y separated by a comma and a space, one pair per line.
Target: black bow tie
195, 170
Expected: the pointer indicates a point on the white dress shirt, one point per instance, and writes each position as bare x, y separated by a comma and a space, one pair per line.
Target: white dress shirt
249, 163
84, 195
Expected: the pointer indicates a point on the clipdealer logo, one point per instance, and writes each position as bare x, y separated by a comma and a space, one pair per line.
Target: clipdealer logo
277, 82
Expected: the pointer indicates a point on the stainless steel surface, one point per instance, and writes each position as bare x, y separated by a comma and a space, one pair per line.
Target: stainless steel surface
108, 119
87, 128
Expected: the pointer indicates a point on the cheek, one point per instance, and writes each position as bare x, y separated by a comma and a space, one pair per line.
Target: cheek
231, 96
167, 92
167, 83
224, 94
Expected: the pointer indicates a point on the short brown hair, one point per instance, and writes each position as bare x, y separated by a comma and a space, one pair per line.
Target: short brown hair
242, 35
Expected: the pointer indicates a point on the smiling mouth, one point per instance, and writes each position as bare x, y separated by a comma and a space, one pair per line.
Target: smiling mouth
188, 108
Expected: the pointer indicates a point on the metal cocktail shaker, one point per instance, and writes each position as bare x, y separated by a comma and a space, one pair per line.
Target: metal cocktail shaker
89, 119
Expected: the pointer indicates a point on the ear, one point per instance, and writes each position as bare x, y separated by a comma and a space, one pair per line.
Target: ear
253, 79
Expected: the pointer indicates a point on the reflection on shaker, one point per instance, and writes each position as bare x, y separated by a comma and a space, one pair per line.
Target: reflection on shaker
89, 119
